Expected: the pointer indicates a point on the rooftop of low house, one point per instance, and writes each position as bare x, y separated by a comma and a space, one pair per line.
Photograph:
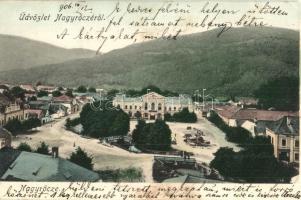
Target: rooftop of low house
285, 126
62, 98
238, 113
264, 115
38, 167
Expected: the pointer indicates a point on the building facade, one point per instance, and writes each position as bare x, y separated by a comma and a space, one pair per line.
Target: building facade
152, 105
9, 110
284, 136
5, 138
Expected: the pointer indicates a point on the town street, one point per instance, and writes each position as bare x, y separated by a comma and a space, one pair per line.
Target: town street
105, 157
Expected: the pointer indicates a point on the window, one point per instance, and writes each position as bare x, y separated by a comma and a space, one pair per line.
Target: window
135, 107
297, 143
174, 108
153, 106
126, 107
283, 142
145, 106
130, 107
296, 156
159, 106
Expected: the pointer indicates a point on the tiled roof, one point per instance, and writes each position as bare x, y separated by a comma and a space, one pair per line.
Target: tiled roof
227, 111
63, 98
264, 115
27, 87
286, 125
34, 111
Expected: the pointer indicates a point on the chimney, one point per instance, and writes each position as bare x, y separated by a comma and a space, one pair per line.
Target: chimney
55, 152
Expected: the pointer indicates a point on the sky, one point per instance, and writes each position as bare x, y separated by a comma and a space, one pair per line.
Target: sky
48, 31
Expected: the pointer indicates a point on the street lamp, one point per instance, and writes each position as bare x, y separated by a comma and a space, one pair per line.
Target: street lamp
204, 99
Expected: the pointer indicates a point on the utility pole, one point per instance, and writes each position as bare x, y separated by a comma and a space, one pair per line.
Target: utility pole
204, 99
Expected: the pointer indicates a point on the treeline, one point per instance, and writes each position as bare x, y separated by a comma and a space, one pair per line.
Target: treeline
255, 164
16, 126
183, 116
233, 134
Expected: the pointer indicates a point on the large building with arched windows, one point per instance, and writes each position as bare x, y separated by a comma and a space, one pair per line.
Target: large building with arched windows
152, 105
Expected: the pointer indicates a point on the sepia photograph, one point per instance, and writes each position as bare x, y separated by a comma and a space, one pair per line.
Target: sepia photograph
149, 92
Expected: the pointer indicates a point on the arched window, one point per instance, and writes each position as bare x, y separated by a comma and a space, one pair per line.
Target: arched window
169, 109
145, 106
159, 106
130, 107
153, 106
174, 108
126, 107
135, 107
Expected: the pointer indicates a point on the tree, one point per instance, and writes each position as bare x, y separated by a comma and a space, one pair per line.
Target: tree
42, 93
24, 147
92, 90
120, 125
80, 157
255, 164
43, 149
103, 122
56, 93
31, 123
14, 126
33, 98
155, 136
183, 116
60, 88
69, 92
168, 117
233, 134
281, 93
82, 89
18, 92
137, 134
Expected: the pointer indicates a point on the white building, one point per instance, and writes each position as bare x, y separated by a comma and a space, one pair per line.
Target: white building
152, 105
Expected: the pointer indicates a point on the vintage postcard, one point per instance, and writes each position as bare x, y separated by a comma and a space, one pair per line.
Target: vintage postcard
158, 99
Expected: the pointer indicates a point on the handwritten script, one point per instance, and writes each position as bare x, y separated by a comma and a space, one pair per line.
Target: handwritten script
86, 190
133, 22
